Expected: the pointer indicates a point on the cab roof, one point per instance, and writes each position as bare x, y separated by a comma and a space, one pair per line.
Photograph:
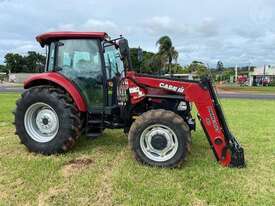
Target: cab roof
50, 36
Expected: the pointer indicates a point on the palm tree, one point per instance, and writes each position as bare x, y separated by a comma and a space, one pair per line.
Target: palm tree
167, 51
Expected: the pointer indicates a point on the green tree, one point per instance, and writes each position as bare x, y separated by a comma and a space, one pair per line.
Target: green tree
167, 51
15, 62
146, 65
197, 67
159, 62
32, 62
3, 73
177, 69
134, 58
153, 64
3, 68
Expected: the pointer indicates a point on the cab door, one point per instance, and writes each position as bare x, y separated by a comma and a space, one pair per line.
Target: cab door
114, 72
80, 61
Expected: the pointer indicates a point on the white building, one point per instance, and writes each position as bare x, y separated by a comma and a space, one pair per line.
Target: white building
262, 75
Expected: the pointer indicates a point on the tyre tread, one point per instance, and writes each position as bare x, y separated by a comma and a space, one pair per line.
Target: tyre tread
74, 116
165, 115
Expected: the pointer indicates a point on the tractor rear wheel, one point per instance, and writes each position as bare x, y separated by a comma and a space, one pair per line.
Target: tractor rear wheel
160, 138
47, 120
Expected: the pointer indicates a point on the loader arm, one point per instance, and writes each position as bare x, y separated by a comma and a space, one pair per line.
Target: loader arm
225, 146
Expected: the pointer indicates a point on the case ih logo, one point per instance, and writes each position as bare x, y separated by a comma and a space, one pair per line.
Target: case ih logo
171, 87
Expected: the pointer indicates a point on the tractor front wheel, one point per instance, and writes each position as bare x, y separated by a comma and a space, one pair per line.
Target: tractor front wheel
160, 138
47, 120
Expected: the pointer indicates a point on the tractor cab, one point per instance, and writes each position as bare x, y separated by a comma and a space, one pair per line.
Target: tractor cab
91, 61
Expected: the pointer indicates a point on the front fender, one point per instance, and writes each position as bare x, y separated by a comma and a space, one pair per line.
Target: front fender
60, 80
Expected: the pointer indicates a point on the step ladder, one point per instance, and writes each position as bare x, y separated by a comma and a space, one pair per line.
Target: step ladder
94, 124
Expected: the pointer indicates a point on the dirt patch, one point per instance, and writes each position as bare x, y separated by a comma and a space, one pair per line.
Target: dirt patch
76, 165
3, 195
198, 202
105, 192
80, 162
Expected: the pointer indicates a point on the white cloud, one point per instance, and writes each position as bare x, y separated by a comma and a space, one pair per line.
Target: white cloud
208, 27
231, 31
90, 25
164, 24
100, 25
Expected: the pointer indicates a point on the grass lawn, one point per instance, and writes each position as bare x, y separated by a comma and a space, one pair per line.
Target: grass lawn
103, 172
260, 89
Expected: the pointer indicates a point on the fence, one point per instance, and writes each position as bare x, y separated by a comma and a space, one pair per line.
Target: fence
19, 77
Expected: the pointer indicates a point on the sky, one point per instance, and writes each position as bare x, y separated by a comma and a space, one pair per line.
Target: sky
238, 32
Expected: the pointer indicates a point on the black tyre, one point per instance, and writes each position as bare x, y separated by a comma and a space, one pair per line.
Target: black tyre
160, 138
47, 120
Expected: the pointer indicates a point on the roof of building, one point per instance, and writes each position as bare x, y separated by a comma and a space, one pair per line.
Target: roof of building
49, 36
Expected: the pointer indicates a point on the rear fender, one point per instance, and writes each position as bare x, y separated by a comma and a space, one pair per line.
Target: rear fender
60, 80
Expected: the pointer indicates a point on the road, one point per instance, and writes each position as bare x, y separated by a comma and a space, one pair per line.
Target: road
10, 89
246, 96
221, 94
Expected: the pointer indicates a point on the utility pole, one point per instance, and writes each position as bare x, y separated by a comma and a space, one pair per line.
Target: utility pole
250, 78
263, 79
236, 73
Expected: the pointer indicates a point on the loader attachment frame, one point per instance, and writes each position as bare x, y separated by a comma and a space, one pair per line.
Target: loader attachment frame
237, 152
225, 146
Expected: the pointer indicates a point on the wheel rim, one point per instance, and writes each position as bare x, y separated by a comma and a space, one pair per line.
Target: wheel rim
41, 122
167, 146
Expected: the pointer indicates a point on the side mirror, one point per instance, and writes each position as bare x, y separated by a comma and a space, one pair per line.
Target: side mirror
123, 47
125, 53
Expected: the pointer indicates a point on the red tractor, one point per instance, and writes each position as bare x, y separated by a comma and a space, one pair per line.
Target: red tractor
88, 85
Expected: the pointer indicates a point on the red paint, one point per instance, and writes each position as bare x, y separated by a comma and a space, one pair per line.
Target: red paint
39, 79
43, 38
135, 97
193, 92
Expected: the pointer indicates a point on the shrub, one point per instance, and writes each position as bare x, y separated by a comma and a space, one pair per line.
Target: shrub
2, 77
272, 83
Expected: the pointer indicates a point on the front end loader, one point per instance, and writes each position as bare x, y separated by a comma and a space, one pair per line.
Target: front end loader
89, 85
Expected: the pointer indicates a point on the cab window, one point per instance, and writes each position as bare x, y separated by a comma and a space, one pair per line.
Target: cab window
80, 56
79, 60
50, 60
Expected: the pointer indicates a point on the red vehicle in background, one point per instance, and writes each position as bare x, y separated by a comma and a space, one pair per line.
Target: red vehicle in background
242, 80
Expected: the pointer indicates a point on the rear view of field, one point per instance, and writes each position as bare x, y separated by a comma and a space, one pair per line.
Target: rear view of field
103, 172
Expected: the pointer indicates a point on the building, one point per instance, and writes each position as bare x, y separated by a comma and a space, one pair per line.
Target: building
190, 76
262, 75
